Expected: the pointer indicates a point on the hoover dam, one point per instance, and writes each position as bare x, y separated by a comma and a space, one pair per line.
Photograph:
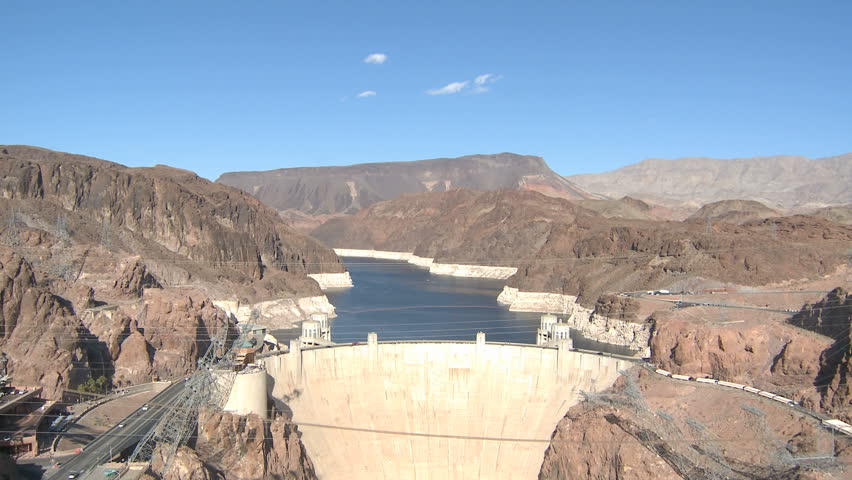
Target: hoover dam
429, 410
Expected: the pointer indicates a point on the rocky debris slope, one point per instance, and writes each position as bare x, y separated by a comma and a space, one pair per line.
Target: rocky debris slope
652, 427
832, 317
247, 447
185, 466
779, 181
332, 190
733, 211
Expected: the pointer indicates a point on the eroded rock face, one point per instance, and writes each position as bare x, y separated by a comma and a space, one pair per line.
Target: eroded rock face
768, 355
134, 363
40, 333
178, 325
245, 447
655, 427
588, 446
133, 280
185, 466
832, 316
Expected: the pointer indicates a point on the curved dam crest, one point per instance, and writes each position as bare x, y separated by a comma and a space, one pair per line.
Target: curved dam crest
440, 410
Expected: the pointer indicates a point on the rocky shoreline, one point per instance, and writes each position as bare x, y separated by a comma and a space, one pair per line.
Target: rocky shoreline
332, 280
450, 269
279, 313
635, 336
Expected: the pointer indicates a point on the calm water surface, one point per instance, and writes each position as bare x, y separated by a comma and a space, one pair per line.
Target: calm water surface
400, 301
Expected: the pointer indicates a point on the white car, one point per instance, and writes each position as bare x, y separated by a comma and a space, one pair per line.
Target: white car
120, 425
145, 408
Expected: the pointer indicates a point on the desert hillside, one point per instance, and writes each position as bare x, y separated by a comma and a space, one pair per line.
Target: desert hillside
561, 247
347, 189
121, 272
783, 181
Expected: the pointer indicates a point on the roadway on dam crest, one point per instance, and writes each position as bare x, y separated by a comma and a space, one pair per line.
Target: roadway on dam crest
441, 410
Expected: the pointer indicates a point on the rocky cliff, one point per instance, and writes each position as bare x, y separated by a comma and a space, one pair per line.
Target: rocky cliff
765, 353
653, 427
780, 181
115, 271
333, 190
41, 336
248, 448
832, 317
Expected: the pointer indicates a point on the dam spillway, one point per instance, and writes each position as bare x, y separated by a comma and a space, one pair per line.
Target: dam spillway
432, 410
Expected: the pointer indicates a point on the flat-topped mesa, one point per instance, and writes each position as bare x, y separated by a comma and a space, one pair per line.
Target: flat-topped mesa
347, 189
450, 269
448, 410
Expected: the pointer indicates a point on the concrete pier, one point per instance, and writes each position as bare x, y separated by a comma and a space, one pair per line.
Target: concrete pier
433, 410
248, 393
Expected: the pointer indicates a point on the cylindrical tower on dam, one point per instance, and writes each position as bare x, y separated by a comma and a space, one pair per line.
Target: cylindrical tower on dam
248, 393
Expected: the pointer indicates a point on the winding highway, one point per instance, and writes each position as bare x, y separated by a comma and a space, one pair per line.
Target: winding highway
118, 438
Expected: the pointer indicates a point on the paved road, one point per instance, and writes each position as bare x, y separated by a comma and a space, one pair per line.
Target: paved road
116, 439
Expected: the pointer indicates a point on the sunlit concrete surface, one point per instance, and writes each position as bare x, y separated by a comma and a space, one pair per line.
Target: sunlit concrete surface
403, 410
248, 393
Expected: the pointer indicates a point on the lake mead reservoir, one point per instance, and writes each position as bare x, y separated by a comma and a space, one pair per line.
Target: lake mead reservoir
401, 301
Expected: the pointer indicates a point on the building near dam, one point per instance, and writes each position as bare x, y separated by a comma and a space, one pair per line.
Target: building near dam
552, 331
440, 410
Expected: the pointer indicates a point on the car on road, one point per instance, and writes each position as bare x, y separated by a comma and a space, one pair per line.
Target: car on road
145, 407
120, 425
74, 474
110, 472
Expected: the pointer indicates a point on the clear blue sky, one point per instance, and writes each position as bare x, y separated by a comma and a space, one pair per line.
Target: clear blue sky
219, 86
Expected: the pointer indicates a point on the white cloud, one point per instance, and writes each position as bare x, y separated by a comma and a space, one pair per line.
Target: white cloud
376, 58
482, 80
454, 87
367, 93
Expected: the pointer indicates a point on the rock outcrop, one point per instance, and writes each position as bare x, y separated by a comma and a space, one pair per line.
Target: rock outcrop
733, 211
832, 316
185, 466
654, 427
247, 448
40, 334
766, 354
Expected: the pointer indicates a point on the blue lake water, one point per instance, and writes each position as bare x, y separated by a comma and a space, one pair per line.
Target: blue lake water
400, 301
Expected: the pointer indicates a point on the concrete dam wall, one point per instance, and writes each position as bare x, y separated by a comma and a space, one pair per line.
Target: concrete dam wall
437, 410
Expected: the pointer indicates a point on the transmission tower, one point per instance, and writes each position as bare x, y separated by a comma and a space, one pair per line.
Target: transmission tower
12, 230
204, 387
